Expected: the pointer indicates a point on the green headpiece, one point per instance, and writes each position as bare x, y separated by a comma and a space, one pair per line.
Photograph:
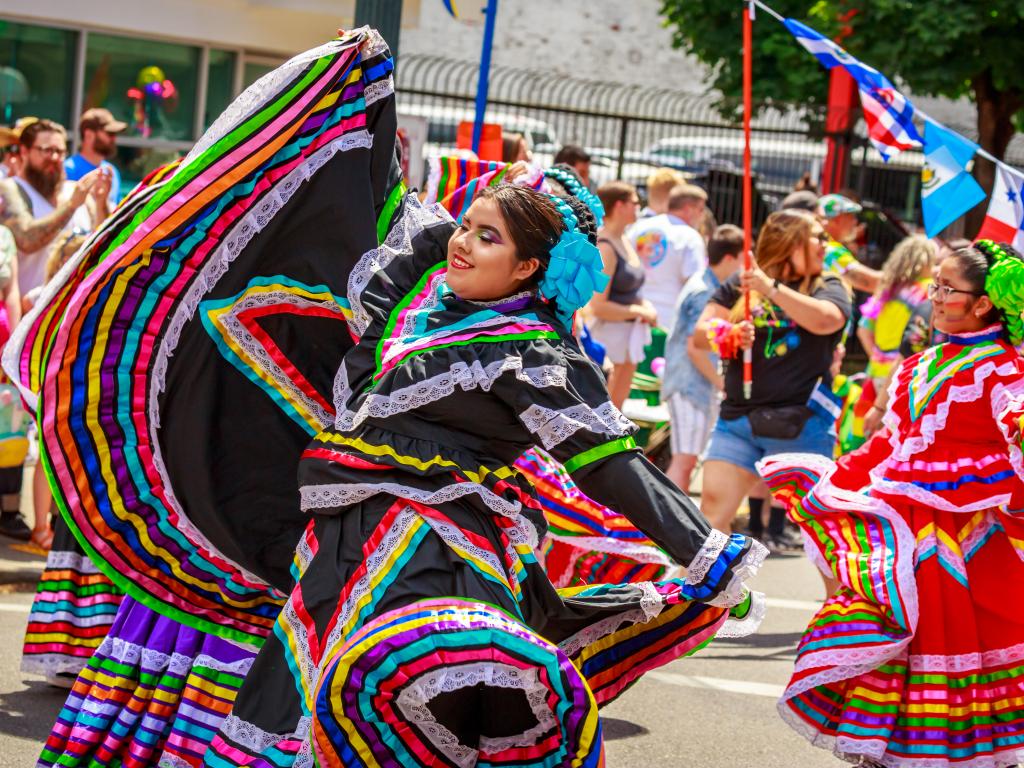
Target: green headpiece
1005, 285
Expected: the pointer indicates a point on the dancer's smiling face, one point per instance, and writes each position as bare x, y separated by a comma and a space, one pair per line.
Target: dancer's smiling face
483, 263
958, 305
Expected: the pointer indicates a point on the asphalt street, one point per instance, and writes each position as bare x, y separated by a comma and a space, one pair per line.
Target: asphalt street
712, 710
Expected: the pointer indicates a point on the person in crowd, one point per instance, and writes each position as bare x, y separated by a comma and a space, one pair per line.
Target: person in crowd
659, 186
98, 131
692, 382
621, 319
918, 335
671, 249
13, 419
918, 658
39, 203
800, 199
515, 149
9, 152
799, 312
840, 216
906, 275
36, 206
578, 159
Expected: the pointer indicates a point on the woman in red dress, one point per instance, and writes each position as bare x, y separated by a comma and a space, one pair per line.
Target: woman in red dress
918, 660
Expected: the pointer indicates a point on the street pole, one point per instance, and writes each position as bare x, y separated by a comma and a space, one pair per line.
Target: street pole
748, 219
383, 15
490, 12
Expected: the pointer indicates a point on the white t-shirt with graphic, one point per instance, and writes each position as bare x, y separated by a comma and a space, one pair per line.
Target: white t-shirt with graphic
671, 251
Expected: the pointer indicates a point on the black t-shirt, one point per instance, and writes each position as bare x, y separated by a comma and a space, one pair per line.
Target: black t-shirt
788, 360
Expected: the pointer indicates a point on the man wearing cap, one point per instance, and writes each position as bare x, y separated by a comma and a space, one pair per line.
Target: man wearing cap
98, 132
840, 220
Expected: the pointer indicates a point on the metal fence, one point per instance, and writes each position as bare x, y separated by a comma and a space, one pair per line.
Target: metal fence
630, 130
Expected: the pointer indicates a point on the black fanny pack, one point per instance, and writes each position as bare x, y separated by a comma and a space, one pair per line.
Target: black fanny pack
784, 423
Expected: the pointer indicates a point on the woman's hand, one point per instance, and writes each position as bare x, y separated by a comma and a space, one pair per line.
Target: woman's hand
873, 420
754, 279
645, 311
516, 170
744, 334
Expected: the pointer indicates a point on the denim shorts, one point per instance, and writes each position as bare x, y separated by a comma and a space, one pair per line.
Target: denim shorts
733, 442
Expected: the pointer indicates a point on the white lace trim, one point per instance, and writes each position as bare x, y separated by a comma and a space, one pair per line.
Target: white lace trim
651, 601
215, 268
903, 448
457, 540
642, 553
706, 557
872, 752
256, 739
966, 662
461, 375
266, 88
749, 624
736, 591
329, 496
1008, 400
48, 664
839, 663
415, 698
73, 561
590, 634
414, 219
374, 92
237, 331
553, 427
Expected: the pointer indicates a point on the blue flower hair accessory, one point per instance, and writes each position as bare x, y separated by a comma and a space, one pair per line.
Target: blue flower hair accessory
575, 271
572, 186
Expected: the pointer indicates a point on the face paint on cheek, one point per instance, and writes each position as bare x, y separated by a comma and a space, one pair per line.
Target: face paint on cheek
955, 309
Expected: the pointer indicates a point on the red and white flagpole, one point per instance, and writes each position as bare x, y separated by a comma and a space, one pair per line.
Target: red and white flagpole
748, 82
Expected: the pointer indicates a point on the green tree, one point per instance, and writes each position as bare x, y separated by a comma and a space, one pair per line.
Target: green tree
947, 48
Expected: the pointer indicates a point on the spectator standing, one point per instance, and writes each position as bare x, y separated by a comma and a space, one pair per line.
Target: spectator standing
514, 149
578, 159
98, 132
9, 154
39, 203
671, 249
622, 320
840, 216
659, 186
799, 313
692, 381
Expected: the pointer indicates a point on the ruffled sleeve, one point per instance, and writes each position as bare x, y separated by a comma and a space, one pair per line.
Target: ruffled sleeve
1008, 412
580, 427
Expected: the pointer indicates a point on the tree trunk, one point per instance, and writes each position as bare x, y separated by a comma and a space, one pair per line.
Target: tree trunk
995, 129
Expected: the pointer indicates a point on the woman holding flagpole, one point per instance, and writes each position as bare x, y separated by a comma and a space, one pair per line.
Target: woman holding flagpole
798, 314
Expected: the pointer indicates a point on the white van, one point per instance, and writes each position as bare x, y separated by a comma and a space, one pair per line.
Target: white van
777, 163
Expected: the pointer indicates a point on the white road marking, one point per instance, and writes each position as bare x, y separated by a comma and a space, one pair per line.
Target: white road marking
15, 607
769, 690
797, 605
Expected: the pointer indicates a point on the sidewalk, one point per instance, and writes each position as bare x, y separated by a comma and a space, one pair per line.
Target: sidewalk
20, 562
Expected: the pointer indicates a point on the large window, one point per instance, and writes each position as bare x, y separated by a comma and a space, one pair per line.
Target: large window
36, 72
220, 84
149, 84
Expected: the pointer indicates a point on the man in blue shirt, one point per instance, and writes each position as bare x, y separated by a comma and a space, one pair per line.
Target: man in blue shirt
98, 132
692, 382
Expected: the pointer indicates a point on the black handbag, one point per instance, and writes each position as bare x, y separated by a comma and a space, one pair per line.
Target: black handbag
784, 423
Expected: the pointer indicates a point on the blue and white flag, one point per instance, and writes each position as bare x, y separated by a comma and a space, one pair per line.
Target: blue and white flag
948, 191
888, 113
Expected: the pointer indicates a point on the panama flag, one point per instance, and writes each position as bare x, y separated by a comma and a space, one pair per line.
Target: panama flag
1004, 221
948, 191
888, 113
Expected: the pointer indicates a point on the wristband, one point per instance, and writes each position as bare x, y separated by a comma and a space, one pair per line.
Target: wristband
775, 288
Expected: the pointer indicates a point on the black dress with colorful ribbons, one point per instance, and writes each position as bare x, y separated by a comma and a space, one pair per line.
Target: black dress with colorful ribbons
414, 608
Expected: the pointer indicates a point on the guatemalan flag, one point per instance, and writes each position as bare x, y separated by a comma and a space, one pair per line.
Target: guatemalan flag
1004, 221
948, 191
888, 113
